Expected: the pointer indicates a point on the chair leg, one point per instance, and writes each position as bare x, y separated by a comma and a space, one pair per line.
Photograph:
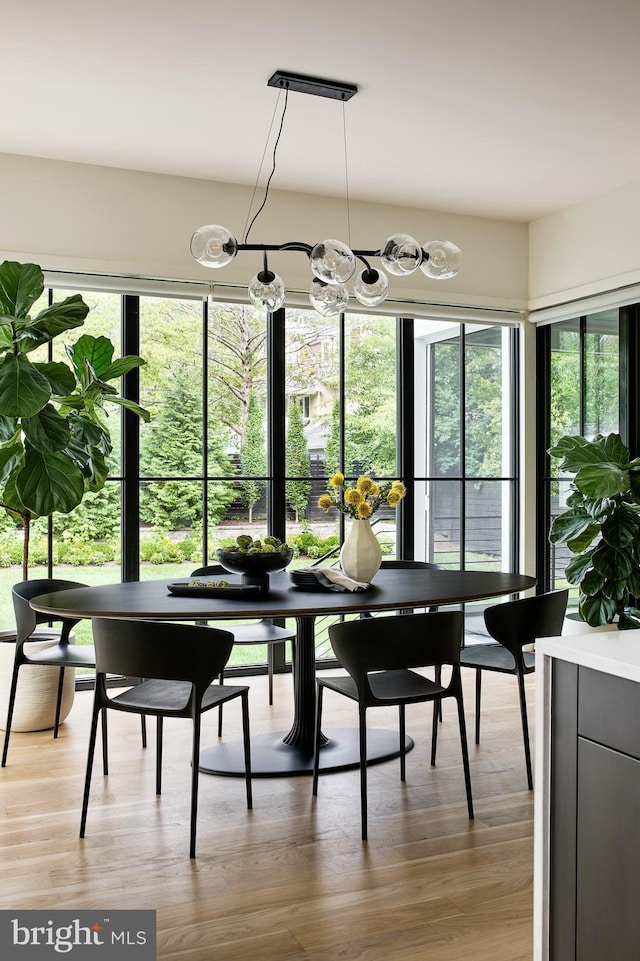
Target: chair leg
316, 740
478, 692
363, 771
12, 701
525, 730
56, 723
465, 755
270, 659
159, 721
220, 708
105, 747
437, 712
438, 704
403, 752
195, 770
247, 747
87, 778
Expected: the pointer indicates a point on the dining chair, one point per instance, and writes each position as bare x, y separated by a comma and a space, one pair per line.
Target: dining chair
176, 665
262, 631
61, 654
515, 625
380, 656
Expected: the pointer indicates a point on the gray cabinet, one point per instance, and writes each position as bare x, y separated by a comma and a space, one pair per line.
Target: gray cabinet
595, 816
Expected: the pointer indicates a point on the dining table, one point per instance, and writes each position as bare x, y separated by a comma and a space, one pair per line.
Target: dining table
290, 752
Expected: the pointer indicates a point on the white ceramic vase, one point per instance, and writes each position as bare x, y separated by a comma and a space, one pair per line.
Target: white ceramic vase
360, 555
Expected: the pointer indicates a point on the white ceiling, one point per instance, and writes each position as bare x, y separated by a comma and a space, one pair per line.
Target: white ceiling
499, 108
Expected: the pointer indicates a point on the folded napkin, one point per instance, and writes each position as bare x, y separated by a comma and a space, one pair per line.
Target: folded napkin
336, 580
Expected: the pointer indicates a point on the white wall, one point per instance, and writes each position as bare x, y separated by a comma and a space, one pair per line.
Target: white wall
67, 216
586, 249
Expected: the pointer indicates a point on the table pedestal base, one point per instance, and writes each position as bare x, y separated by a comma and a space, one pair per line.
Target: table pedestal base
271, 757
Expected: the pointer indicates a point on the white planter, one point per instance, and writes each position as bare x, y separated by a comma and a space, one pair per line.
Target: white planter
35, 706
574, 625
360, 555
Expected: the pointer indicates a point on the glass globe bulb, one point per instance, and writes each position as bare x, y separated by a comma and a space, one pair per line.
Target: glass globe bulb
213, 246
401, 254
442, 260
328, 299
266, 291
371, 287
333, 262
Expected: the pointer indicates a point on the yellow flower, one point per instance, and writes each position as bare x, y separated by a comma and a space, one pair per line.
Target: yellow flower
353, 496
325, 502
337, 480
365, 485
393, 498
364, 509
374, 490
399, 486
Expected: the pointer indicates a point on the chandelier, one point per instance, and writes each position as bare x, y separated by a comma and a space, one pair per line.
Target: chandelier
333, 263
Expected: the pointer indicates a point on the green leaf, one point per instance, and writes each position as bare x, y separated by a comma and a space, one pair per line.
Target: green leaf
597, 610
629, 620
570, 524
60, 377
11, 457
591, 583
20, 286
49, 482
620, 529
130, 405
611, 563
121, 366
10, 496
8, 427
47, 431
602, 480
577, 568
63, 315
23, 389
95, 351
97, 473
615, 449
580, 543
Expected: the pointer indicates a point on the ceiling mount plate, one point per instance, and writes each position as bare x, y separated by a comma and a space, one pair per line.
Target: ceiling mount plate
313, 85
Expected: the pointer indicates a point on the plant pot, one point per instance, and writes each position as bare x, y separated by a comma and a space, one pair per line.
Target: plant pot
573, 624
360, 555
35, 705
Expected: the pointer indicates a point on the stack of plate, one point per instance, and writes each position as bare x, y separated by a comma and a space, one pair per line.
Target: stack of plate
306, 581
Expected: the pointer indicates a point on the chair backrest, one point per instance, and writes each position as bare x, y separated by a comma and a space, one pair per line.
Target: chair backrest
157, 649
516, 623
396, 642
26, 618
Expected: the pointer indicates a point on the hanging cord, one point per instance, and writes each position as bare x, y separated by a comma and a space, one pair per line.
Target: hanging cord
273, 169
346, 170
264, 152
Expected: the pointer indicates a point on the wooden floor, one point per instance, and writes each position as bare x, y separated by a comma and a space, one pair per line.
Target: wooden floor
291, 879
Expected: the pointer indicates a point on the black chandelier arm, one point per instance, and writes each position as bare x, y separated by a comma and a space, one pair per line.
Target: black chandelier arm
291, 245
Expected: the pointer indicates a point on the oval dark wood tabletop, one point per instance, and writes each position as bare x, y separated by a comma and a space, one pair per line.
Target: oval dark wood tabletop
392, 590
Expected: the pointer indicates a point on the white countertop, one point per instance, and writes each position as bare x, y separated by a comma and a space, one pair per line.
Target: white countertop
612, 652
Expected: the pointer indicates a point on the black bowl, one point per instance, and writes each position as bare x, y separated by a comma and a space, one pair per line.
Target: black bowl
254, 568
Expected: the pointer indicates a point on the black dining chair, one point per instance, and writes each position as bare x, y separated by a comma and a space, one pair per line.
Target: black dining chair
176, 665
263, 631
380, 656
61, 654
515, 625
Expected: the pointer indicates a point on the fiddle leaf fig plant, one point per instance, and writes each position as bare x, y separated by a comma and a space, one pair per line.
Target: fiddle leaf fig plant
601, 526
54, 440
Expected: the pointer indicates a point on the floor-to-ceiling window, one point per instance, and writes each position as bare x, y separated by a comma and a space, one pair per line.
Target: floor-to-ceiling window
581, 391
250, 415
